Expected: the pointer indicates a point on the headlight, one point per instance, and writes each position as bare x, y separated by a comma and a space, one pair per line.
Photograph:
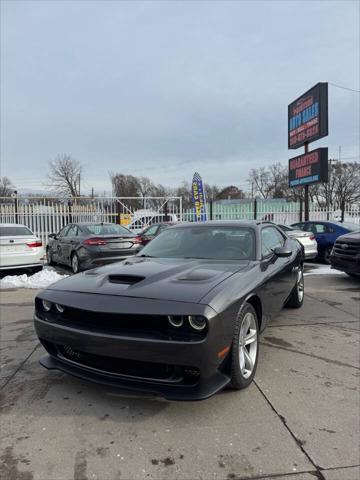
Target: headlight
59, 308
176, 321
46, 305
197, 322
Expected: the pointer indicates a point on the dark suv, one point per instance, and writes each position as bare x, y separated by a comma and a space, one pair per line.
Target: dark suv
345, 254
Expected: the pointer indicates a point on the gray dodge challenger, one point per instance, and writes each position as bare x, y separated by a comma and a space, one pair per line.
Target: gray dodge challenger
182, 318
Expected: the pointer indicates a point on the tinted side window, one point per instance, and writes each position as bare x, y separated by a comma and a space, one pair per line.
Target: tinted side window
64, 231
151, 230
72, 232
270, 239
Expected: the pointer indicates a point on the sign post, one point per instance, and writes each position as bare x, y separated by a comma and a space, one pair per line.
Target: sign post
308, 122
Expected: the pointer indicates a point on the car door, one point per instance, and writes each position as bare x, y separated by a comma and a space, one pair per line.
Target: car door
321, 232
279, 273
68, 243
56, 245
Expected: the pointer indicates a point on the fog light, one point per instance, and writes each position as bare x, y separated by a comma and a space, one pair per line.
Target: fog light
176, 321
46, 305
59, 308
197, 322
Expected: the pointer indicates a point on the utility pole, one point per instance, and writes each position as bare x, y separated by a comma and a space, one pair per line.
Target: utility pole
92, 192
306, 146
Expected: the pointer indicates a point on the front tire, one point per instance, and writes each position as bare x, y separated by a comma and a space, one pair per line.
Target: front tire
245, 348
75, 263
296, 298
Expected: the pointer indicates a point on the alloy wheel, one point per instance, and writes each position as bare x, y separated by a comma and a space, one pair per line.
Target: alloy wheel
248, 344
300, 285
75, 263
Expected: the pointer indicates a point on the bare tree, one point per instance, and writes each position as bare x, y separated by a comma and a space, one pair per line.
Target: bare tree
347, 184
230, 192
6, 187
64, 175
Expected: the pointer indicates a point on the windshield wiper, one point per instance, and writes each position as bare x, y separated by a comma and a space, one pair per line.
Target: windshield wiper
197, 258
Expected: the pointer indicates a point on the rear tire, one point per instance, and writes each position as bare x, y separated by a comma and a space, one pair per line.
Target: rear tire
75, 263
245, 348
296, 298
49, 258
326, 255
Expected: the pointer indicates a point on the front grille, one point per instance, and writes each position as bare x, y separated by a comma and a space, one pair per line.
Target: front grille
350, 250
155, 327
134, 369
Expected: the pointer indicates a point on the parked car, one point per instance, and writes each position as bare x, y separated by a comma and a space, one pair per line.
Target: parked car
144, 218
86, 245
345, 255
20, 248
149, 233
307, 239
325, 234
180, 319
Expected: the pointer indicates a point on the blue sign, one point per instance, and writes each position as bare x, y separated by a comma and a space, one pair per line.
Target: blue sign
198, 195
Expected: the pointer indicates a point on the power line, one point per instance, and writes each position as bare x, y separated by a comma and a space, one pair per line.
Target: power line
344, 88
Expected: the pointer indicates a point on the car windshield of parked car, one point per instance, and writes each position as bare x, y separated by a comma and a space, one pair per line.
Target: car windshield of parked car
106, 229
215, 243
353, 227
20, 231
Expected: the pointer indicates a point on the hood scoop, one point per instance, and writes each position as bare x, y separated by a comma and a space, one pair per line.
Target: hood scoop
125, 279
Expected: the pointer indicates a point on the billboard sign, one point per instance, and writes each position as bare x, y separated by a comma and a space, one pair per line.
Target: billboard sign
198, 195
308, 116
309, 168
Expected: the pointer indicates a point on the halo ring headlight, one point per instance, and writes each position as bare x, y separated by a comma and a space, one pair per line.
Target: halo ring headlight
197, 322
176, 321
46, 305
59, 308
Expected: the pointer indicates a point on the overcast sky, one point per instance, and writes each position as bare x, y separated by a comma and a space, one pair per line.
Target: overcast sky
166, 88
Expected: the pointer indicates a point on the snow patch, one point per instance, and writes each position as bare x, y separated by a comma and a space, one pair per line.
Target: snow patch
41, 279
323, 270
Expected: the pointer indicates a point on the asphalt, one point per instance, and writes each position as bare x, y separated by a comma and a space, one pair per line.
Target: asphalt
298, 421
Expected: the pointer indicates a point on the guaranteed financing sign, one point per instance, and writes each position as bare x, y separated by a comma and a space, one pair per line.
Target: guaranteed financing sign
309, 168
308, 116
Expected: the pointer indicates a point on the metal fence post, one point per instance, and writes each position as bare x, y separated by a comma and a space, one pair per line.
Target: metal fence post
255, 208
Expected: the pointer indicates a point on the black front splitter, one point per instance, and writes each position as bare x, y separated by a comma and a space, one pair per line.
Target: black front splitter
201, 391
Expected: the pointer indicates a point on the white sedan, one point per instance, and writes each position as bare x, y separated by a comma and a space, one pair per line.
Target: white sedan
20, 248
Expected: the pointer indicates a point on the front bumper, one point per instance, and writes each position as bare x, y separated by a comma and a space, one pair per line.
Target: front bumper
349, 264
200, 356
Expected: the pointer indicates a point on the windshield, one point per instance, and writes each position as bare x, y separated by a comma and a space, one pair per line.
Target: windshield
107, 229
15, 231
353, 227
216, 243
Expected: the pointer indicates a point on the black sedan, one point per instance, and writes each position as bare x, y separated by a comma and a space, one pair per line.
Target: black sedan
86, 245
182, 318
150, 232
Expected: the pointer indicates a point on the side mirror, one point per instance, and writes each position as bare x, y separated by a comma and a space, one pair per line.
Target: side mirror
52, 235
282, 252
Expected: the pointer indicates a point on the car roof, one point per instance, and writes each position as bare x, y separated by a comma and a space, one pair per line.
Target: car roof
223, 223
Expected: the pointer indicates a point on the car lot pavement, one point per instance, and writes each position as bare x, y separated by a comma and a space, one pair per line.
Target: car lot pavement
298, 421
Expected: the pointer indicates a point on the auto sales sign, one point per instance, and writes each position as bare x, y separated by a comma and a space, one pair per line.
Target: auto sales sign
309, 168
308, 116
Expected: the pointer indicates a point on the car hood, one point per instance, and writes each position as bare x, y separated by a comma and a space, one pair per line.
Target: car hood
350, 237
164, 279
